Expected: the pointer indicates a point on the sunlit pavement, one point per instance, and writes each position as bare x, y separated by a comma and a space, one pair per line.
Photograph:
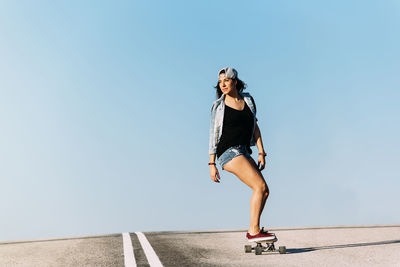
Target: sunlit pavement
373, 245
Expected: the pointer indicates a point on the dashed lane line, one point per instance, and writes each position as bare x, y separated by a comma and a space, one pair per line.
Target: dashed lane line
151, 256
129, 257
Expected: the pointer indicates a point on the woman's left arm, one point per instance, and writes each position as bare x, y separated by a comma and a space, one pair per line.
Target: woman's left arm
261, 152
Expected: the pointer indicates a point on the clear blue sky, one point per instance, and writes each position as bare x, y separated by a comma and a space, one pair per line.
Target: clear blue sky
105, 107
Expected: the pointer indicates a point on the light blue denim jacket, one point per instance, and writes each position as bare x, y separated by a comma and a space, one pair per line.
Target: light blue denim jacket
217, 119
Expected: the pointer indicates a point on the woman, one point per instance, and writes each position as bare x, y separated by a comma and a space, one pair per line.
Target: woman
233, 129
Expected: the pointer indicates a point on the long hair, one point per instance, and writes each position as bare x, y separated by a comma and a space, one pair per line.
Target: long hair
240, 86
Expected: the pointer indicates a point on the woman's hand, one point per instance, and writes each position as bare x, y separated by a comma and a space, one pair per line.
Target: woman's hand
214, 173
261, 161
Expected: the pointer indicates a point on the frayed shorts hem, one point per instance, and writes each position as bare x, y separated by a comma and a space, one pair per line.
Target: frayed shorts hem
233, 152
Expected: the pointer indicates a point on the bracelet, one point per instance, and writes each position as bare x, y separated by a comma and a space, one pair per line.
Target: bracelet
212, 163
264, 154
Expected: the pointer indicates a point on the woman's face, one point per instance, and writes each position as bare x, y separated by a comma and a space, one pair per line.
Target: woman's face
227, 85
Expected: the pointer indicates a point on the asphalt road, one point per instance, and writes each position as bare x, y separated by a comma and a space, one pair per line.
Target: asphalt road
373, 245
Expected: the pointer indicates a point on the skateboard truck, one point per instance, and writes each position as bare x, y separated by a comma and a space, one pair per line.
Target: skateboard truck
268, 247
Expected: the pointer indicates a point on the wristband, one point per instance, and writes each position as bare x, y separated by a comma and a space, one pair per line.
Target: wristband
212, 163
264, 154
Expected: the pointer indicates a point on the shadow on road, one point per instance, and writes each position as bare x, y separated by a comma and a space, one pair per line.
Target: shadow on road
301, 250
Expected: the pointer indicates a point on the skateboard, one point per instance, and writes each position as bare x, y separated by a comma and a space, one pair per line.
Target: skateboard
269, 246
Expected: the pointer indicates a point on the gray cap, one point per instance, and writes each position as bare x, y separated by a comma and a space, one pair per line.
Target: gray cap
229, 72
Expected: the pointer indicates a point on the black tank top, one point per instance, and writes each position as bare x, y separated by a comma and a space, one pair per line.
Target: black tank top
237, 128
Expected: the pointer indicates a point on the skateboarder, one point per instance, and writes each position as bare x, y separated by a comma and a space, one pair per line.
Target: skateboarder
233, 129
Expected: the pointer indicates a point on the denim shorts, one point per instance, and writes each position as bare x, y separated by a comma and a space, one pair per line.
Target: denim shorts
232, 152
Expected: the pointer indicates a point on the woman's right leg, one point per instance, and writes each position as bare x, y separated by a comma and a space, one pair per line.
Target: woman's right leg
247, 173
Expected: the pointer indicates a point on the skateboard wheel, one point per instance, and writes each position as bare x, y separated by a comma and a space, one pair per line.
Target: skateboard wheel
282, 250
258, 250
247, 248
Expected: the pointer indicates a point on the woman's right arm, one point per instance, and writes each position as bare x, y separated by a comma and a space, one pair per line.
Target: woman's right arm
214, 174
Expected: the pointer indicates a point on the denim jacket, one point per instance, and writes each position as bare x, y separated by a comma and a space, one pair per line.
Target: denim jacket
217, 119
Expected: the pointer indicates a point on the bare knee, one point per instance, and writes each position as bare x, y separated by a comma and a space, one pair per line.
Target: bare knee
262, 188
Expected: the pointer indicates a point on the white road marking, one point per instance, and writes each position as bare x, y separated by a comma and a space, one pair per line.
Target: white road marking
128, 251
151, 256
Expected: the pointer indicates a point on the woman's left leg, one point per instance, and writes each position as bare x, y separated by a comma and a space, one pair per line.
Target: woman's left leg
266, 194
245, 171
